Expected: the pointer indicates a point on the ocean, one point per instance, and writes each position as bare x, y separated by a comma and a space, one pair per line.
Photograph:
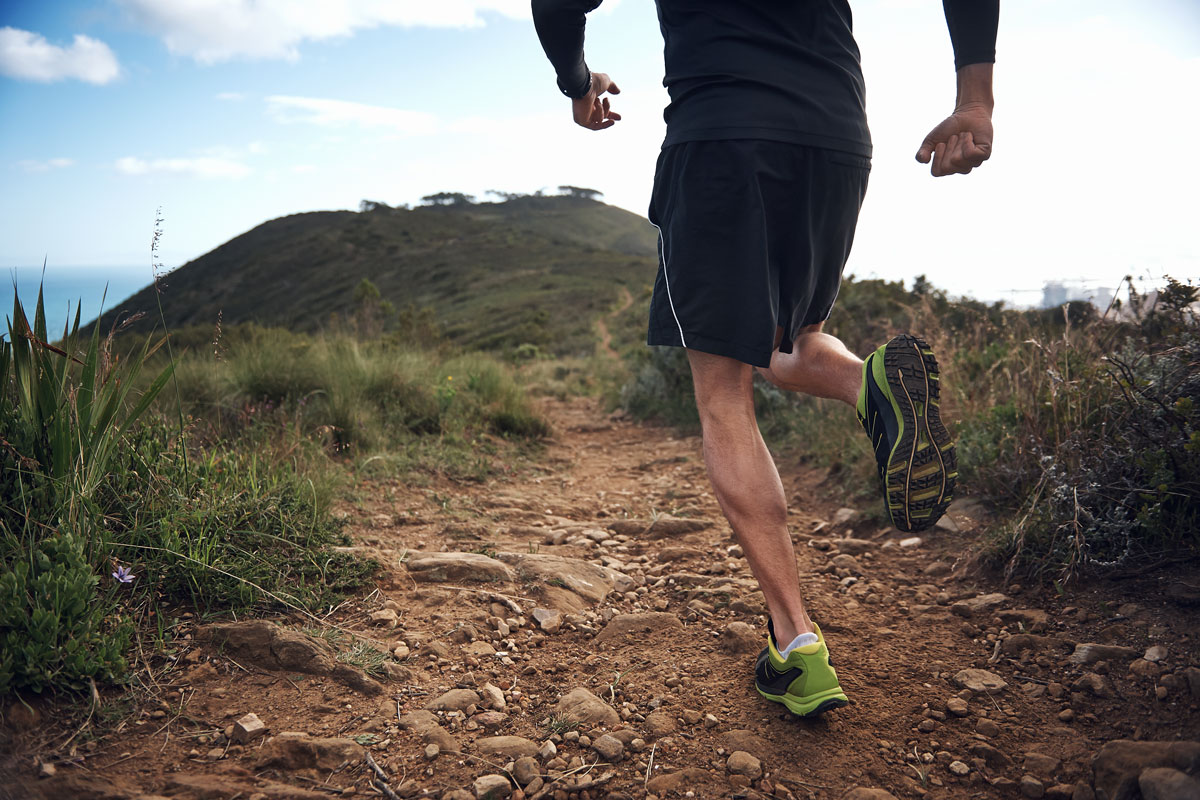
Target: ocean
66, 288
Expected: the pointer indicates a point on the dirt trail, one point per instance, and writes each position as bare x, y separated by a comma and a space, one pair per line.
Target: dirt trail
609, 567
605, 335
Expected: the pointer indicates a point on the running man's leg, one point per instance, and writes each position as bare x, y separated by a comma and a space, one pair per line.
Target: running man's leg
819, 365
747, 485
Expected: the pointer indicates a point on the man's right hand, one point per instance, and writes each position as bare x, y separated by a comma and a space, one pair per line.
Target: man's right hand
963, 140
591, 111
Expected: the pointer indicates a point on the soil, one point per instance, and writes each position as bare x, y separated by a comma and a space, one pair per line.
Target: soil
631, 503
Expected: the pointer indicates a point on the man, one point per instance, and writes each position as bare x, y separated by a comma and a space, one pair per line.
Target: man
756, 197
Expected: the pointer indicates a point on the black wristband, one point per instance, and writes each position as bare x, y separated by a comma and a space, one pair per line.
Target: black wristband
582, 91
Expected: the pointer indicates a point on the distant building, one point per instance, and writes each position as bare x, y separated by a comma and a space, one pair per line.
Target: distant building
1056, 293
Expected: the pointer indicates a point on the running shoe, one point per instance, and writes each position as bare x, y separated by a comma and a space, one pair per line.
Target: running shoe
804, 681
898, 408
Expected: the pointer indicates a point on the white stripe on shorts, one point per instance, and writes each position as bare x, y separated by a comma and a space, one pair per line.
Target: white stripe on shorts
662, 245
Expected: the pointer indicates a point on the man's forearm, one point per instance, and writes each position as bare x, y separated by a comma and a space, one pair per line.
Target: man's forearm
975, 87
560, 25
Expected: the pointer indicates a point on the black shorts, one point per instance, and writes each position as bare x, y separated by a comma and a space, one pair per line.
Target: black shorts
753, 234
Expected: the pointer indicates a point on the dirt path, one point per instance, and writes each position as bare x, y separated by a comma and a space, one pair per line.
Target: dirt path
609, 568
605, 336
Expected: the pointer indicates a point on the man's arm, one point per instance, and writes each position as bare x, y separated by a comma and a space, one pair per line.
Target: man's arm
963, 140
560, 26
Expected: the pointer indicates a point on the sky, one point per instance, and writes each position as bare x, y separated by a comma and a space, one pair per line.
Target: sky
227, 113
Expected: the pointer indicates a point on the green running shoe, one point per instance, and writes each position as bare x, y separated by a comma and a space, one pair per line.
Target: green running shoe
898, 408
804, 681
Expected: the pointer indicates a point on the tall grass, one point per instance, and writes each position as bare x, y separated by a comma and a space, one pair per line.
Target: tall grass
1082, 428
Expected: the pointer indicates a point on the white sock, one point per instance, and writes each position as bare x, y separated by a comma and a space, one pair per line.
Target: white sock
800, 641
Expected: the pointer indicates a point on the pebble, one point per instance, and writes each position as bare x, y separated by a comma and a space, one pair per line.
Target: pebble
491, 787
609, 747
1155, 653
959, 768
1031, 787
432, 751
248, 728
742, 763
957, 706
987, 728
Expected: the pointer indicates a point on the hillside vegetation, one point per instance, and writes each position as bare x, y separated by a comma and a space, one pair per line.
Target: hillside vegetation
532, 270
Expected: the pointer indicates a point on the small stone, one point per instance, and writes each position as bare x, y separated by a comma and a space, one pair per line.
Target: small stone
506, 746
610, 748
1144, 669
47, 770
1165, 783
691, 716
490, 719
493, 697
980, 680
453, 700
492, 787
1041, 765
548, 620
248, 728
401, 652
742, 763
1155, 653
1031, 787
215, 754
385, 617
957, 706
959, 768
525, 769
432, 751
581, 706
1066, 715
911, 541
926, 726
547, 751
1091, 652
710, 721
987, 728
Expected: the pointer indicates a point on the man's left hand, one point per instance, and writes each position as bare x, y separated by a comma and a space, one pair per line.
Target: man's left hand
592, 111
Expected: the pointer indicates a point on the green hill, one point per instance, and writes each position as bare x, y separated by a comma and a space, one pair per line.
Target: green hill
532, 269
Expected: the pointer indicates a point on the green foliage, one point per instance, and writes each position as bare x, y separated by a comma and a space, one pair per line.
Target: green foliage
53, 632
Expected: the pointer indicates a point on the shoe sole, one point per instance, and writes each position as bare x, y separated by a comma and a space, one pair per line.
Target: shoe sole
923, 465
813, 706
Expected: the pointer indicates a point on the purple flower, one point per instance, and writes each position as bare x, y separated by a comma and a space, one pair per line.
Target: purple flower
123, 575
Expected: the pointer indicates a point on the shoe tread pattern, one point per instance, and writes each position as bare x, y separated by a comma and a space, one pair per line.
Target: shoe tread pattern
923, 466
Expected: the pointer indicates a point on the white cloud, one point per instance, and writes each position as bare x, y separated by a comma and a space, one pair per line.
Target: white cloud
30, 165
336, 113
231, 96
211, 31
28, 56
196, 167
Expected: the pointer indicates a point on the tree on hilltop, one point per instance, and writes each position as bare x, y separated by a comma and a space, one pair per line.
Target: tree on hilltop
580, 192
448, 199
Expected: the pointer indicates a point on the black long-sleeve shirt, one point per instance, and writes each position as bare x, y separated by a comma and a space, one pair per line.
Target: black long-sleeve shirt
759, 69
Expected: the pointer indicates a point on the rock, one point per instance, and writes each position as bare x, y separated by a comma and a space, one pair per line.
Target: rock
248, 728
479, 649
456, 568
581, 706
958, 768
1164, 783
1192, 676
742, 763
1118, 764
401, 652
674, 781
425, 725
548, 620
911, 541
691, 716
957, 706
855, 547
1155, 653
292, 751
506, 746
1032, 787
624, 626
432, 751
659, 723
547, 751
493, 697
991, 756
980, 604
739, 638
1091, 652
492, 787
987, 727
926, 726
1041, 765
864, 793
666, 526
453, 700
844, 516
1144, 669
847, 562
525, 769
1013, 645
1060, 791
490, 719
590, 582
266, 645
610, 748
1031, 619
385, 617
979, 680
1083, 791
1091, 682
937, 569
1185, 594
47, 770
